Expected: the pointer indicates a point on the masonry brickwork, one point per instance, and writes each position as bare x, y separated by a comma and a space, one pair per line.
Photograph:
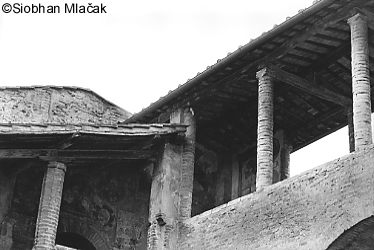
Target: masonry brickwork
308, 211
49, 206
264, 176
58, 106
361, 80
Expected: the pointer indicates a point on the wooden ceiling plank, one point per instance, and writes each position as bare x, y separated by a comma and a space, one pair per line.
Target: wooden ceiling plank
339, 31
341, 79
291, 102
338, 53
319, 120
290, 114
300, 58
322, 45
302, 99
306, 86
312, 52
330, 38
314, 29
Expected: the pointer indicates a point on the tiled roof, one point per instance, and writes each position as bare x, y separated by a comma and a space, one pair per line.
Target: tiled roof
230, 55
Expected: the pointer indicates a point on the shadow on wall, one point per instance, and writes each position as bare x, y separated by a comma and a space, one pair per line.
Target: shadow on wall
359, 236
68, 241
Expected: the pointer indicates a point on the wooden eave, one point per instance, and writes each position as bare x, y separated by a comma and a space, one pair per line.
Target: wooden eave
313, 47
83, 145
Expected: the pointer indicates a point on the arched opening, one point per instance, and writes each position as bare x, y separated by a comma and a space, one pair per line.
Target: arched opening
74, 241
358, 237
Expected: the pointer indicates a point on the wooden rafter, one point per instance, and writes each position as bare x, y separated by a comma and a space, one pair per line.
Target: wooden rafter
344, 82
369, 15
325, 61
308, 87
311, 31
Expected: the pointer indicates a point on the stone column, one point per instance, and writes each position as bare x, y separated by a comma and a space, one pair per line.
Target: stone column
360, 81
265, 130
172, 186
186, 116
165, 199
351, 132
49, 207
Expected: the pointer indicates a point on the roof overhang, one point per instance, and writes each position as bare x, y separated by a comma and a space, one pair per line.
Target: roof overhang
310, 55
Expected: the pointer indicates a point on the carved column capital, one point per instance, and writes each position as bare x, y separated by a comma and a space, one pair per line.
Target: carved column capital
265, 72
359, 17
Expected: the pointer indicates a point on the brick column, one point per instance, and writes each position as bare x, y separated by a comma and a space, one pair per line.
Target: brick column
360, 81
351, 132
49, 207
265, 130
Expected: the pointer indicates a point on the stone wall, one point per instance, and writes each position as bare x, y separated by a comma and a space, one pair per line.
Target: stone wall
57, 105
308, 211
108, 207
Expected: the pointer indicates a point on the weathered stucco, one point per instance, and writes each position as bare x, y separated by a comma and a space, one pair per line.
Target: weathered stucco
205, 180
108, 207
308, 211
57, 105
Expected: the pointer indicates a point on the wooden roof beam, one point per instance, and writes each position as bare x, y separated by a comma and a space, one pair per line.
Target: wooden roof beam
308, 87
69, 155
69, 141
344, 82
21, 166
369, 15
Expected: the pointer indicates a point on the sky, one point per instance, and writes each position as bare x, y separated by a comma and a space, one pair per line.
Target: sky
139, 50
